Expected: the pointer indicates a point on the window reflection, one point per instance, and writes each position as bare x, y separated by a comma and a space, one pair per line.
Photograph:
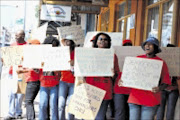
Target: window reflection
153, 21
167, 23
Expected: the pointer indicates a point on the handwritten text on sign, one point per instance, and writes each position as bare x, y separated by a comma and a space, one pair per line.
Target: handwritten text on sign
141, 73
56, 58
74, 30
86, 101
94, 62
123, 51
12, 55
170, 55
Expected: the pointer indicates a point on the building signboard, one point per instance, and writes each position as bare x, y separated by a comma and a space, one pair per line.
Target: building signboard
56, 13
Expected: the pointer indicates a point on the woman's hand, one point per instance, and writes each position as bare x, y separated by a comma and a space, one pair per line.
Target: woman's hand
42, 64
71, 62
120, 83
155, 89
113, 72
2, 61
21, 70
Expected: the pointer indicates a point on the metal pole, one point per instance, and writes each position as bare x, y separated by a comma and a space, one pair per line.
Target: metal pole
24, 15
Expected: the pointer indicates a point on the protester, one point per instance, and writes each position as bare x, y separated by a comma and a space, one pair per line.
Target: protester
121, 95
15, 100
169, 96
52, 40
32, 79
127, 42
92, 40
49, 89
66, 85
102, 40
143, 104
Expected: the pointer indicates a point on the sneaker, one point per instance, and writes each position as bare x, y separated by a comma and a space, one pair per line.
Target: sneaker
19, 117
9, 118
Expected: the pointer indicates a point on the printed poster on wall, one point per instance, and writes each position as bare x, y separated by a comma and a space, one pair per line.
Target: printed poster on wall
86, 101
94, 62
56, 13
141, 73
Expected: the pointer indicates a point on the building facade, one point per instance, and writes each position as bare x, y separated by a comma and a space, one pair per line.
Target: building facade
139, 19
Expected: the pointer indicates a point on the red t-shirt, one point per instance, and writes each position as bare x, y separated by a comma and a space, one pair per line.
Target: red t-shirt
49, 81
32, 75
14, 44
148, 98
104, 83
67, 76
120, 90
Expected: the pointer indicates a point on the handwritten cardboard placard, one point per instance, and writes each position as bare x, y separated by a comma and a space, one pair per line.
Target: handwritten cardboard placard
12, 55
116, 38
56, 58
171, 55
86, 101
74, 30
141, 73
32, 56
39, 33
124, 51
94, 62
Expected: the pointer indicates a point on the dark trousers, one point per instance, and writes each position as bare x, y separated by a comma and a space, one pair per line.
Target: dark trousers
32, 90
169, 97
121, 107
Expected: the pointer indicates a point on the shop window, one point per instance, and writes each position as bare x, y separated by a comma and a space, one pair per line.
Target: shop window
105, 20
159, 21
124, 18
167, 23
153, 18
152, 1
129, 6
121, 26
121, 10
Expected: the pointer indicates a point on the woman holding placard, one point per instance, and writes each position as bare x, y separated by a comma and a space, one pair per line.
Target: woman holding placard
169, 98
103, 40
143, 104
66, 85
49, 89
121, 95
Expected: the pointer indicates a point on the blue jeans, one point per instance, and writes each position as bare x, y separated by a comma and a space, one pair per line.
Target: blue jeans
32, 90
102, 110
121, 107
140, 112
169, 97
15, 103
48, 95
66, 91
